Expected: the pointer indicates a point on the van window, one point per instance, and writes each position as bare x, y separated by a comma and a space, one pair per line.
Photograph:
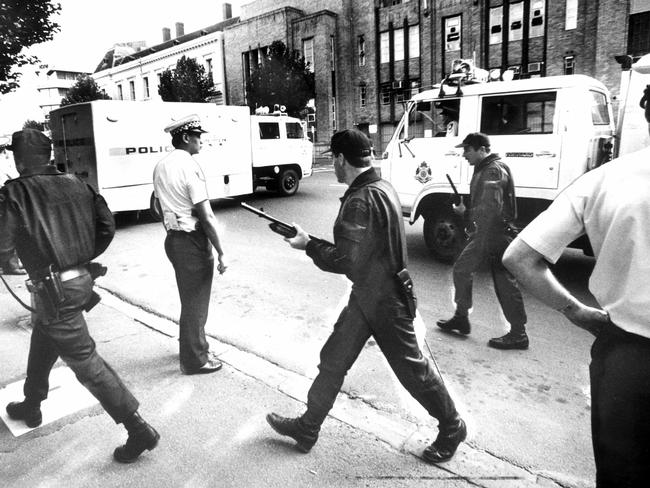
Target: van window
434, 118
294, 130
528, 113
269, 130
599, 112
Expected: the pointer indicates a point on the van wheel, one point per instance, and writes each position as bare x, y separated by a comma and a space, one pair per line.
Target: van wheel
154, 208
287, 182
444, 235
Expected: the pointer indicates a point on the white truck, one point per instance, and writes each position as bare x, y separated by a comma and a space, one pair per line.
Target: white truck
548, 130
114, 145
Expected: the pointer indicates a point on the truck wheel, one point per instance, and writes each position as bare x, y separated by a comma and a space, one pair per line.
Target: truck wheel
444, 235
287, 182
154, 209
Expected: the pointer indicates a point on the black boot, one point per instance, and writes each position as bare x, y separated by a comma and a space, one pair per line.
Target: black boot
445, 445
29, 412
512, 340
457, 322
141, 436
304, 436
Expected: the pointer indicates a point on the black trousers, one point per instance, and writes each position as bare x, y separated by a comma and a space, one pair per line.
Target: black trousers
620, 411
191, 256
67, 337
489, 249
392, 327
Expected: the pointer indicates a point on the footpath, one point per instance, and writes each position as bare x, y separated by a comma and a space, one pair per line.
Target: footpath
213, 428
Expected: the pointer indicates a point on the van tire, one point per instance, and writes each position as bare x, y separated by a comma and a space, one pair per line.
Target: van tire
154, 209
288, 182
444, 235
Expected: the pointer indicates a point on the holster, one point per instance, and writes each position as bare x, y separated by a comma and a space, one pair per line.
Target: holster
96, 270
406, 286
49, 290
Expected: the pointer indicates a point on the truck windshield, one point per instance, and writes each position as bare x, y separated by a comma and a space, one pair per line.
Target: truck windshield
294, 130
432, 118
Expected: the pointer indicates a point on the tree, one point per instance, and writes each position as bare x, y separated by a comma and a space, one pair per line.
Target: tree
84, 90
22, 24
283, 78
188, 82
33, 124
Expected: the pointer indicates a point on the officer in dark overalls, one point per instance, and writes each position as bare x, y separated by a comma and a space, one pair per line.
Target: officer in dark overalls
491, 212
370, 249
58, 224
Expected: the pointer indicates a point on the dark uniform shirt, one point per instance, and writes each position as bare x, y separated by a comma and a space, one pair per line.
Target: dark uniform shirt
492, 196
52, 218
369, 246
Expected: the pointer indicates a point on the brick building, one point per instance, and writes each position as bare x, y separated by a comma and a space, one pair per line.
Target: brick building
370, 56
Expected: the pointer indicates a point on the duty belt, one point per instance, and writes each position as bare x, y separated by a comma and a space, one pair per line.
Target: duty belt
65, 275
72, 273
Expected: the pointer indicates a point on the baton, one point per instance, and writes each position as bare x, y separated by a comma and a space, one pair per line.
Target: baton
453, 187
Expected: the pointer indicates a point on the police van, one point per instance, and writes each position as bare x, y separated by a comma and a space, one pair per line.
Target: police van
548, 130
114, 145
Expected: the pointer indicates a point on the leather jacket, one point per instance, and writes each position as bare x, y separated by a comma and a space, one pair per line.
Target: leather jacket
493, 205
369, 237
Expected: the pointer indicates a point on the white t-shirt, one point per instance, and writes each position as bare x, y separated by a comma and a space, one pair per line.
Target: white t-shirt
611, 204
179, 184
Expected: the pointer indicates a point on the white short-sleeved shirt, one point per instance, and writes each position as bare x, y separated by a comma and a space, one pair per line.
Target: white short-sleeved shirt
611, 204
179, 184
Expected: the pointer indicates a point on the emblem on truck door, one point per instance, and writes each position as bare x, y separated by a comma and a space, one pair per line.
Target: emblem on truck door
423, 173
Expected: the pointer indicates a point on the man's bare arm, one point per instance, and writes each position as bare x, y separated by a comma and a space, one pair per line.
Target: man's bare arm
531, 270
209, 225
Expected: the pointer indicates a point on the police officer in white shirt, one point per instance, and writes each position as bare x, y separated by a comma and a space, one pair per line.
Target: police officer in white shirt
180, 187
611, 206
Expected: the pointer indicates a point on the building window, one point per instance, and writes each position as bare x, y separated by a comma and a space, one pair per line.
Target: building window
385, 94
452, 33
120, 93
333, 111
569, 65
308, 53
208, 68
516, 21
414, 41
363, 95
536, 27
571, 15
496, 25
384, 53
400, 96
145, 87
638, 41
132, 89
332, 54
398, 44
361, 48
